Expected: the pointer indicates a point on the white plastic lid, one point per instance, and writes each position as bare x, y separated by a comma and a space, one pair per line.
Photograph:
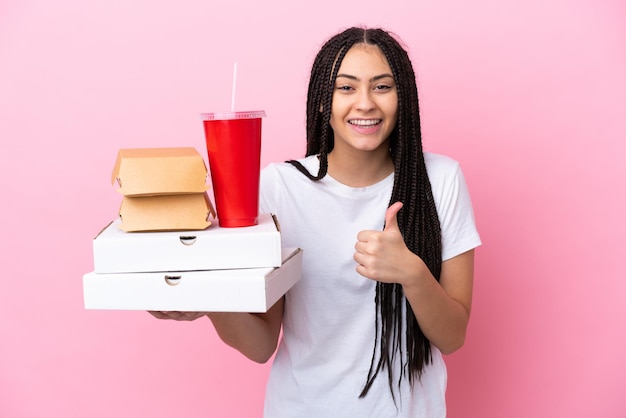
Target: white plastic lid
255, 114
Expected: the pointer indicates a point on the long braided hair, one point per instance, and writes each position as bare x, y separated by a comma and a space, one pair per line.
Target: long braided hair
397, 330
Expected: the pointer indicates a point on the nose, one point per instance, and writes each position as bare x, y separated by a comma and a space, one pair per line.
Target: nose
364, 100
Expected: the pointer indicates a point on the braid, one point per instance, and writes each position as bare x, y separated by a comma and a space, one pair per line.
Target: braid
320, 140
418, 220
397, 330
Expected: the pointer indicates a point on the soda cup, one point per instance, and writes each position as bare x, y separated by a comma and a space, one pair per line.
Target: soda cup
233, 141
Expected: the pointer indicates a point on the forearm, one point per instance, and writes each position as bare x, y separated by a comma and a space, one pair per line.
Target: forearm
442, 320
254, 335
442, 308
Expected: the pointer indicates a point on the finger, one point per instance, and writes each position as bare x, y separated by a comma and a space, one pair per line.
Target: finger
391, 217
192, 316
364, 236
361, 270
360, 247
359, 258
159, 314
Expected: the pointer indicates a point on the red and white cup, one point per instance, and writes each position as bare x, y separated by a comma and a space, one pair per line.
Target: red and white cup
233, 141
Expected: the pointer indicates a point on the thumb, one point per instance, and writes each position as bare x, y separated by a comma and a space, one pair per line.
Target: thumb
391, 217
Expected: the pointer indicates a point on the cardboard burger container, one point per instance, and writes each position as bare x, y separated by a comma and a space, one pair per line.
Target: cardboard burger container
233, 290
164, 189
116, 251
166, 212
159, 171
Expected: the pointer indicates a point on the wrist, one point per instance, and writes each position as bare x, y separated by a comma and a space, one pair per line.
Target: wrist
415, 272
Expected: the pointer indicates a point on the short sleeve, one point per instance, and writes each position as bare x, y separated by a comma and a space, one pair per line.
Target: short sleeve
454, 206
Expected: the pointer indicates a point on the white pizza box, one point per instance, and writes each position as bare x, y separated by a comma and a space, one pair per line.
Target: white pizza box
214, 248
232, 290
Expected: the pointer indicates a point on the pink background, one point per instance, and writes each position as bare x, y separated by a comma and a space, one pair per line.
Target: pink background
529, 96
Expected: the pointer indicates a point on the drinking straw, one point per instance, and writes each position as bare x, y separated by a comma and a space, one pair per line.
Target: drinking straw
232, 98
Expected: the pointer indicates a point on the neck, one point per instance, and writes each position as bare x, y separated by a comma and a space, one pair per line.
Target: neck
360, 169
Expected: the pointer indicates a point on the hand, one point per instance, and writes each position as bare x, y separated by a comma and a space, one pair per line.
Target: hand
178, 316
383, 255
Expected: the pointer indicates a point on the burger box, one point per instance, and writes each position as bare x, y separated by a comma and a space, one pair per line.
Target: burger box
232, 290
166, 212
155, 171
117, 251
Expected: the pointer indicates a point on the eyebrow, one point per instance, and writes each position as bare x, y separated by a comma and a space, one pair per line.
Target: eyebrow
375, 78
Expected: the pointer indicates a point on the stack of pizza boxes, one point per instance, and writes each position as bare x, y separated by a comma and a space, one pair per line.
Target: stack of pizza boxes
163, 252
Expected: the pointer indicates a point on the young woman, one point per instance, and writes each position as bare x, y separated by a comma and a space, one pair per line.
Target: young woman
388, 235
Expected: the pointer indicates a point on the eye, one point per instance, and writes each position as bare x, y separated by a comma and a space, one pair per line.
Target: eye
382, 87
344, 88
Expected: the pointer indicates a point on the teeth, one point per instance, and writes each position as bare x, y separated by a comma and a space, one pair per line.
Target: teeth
363, 122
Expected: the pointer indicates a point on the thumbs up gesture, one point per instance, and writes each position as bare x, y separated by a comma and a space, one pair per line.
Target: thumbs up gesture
383, 255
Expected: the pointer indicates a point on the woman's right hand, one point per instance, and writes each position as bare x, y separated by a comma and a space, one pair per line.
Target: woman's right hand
255, 335
177, 316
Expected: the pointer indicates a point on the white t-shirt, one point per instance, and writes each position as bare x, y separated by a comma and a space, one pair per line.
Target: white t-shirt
329, 321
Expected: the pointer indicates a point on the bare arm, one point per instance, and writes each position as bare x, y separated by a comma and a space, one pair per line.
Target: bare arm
254, 335
442, 308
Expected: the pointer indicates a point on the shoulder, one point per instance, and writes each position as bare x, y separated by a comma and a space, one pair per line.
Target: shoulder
282, 182
286, 170
441, 168
437, 163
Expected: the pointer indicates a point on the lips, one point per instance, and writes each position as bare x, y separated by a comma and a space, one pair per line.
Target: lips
364, 122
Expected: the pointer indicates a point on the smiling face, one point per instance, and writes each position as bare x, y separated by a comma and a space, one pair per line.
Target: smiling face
365, 101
